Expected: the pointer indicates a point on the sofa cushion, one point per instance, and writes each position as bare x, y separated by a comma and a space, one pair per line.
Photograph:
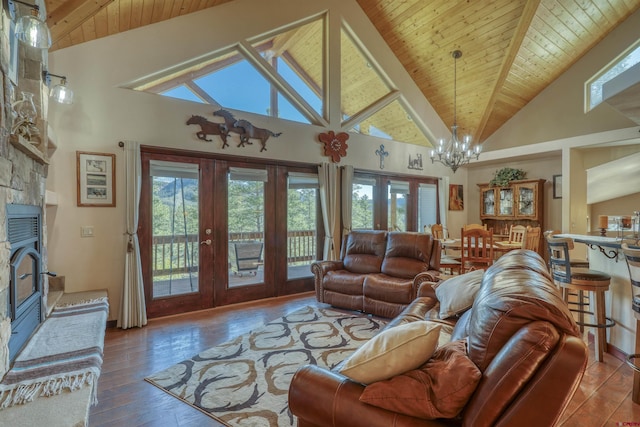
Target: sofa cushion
344, 282
515, 291
456, 295
364, 251
438, 389
389, 289
392, 352
406, 254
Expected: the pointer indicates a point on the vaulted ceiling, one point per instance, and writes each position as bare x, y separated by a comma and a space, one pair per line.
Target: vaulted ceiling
512, 49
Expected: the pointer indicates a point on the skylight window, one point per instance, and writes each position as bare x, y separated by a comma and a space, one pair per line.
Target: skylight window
617, 67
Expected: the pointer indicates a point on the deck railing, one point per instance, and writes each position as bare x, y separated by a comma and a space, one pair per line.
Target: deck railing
179, 254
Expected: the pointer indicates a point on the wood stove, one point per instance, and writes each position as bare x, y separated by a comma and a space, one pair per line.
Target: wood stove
24, 225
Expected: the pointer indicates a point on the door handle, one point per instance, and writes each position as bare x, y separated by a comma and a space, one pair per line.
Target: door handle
206, 242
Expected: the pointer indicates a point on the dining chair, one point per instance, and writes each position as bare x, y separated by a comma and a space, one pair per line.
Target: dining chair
476, 249
448, 263
532, 239
517, 234
437, 231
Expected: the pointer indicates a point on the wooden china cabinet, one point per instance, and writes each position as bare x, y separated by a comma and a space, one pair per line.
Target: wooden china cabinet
520, 203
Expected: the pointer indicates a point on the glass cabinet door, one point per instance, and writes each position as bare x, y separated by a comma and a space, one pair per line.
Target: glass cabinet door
487, 198
506, 201
526, 201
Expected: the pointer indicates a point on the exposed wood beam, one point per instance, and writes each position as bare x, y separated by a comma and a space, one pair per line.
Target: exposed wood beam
527, 16
71, 15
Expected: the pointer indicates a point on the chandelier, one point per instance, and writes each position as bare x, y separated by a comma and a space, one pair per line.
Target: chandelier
455, 153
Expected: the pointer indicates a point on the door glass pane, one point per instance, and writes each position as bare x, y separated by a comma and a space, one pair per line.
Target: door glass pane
246, 226
427, 206
302, 233
362, 203
175, 226
397, 192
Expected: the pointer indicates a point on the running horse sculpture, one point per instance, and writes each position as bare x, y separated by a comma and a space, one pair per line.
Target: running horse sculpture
251, 131
209, 128
229, 122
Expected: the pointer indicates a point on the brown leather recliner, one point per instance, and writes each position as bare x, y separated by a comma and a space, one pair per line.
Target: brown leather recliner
520, 335
379, 272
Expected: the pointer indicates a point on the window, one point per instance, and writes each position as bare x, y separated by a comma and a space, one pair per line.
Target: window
283, 74
362, 203
626, 60
427, 206
394, 203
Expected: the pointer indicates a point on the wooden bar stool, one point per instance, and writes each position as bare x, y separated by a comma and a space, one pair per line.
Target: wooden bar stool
633, 263
580, 280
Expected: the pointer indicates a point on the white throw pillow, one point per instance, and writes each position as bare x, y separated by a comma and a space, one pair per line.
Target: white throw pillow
456, 295
393, 352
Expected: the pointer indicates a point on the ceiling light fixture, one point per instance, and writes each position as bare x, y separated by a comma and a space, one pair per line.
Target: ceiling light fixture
30, 29
455, 153
60, 92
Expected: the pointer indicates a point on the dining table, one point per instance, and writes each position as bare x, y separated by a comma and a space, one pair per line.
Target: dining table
456, 244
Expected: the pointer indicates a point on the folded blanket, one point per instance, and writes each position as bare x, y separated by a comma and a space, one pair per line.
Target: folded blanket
65, 353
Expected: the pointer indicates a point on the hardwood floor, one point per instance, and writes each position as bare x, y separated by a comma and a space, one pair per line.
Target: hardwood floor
125, 399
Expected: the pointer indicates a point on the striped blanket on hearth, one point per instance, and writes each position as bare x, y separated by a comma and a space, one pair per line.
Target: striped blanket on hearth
64, 354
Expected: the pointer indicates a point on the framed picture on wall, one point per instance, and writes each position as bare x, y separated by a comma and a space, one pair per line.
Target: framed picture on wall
96, 179
456, 199
557, 186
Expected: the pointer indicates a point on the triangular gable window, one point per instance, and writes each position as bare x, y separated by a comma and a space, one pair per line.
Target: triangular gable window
283, 74
274, 76
370, 105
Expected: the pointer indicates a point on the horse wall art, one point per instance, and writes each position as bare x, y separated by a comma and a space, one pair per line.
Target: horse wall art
209, 128
251, 131
229, 122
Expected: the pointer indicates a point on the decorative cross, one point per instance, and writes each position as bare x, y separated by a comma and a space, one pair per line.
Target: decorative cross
382, 155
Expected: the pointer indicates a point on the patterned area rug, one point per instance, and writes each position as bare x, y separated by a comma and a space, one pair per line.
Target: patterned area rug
245, 382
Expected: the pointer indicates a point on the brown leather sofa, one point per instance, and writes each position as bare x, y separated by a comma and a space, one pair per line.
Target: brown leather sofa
518, 332
379, 272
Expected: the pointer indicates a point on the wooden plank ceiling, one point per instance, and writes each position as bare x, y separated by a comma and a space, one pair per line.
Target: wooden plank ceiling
512, 49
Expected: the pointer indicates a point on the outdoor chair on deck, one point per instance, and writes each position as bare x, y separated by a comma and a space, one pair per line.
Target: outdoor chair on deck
245, 257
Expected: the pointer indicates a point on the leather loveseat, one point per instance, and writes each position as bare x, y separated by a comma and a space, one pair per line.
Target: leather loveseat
379, 272
518, 333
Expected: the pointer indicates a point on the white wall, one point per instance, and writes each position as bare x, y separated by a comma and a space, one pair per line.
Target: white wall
104, 113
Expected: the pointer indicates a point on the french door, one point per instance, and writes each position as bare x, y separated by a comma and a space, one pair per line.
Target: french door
214, 231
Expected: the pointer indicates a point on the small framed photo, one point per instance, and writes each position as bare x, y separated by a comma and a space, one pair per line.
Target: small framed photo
96, 179
557, 186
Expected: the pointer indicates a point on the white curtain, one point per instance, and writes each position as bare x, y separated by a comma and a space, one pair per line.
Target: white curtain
347, 198
328, 179
443, 202
133, 311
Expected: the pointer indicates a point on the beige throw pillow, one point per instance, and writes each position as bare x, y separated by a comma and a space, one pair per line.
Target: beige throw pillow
456, 295
392, 352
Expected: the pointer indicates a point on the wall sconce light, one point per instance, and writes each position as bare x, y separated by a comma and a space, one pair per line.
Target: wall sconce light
30, 29
60, 92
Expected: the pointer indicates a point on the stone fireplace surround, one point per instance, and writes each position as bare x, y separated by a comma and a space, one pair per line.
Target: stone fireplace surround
23, 173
